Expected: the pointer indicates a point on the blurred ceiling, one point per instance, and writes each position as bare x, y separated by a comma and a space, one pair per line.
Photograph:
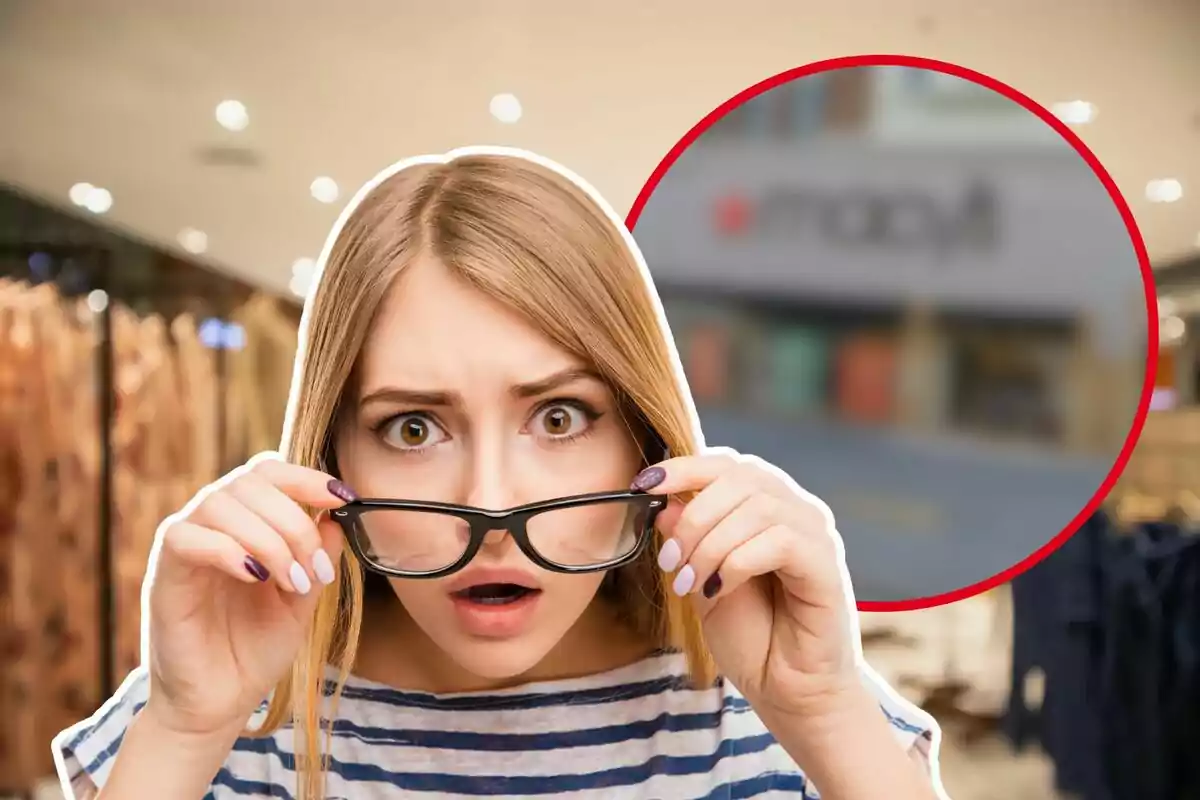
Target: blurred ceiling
122, 94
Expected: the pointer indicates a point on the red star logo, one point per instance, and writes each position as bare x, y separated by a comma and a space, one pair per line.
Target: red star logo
733, 214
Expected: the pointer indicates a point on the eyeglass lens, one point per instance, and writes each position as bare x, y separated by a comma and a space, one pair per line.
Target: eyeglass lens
579, 536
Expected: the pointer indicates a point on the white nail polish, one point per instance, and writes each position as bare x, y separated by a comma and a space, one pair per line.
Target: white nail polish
299, 578
323, 567
684, 580
669, 556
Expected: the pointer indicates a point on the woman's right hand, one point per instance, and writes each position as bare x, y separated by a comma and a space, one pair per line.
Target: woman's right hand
238, 576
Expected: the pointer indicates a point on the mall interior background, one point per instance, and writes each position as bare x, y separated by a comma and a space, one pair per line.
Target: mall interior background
147, 322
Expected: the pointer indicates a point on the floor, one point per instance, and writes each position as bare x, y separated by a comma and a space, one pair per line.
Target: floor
988, 770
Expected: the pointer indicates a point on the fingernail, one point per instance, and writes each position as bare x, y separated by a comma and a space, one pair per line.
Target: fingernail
341, 491
670, 556
255, 568
684, 580
712, 586
648, 478
299, 578
323, 567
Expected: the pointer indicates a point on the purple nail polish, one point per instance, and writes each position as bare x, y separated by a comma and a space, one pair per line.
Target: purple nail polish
712, 586
341, 491
648, 478
255, 568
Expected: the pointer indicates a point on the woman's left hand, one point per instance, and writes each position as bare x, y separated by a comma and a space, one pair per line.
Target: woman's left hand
764, 563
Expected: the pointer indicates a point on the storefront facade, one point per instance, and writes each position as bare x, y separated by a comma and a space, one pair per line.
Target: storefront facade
918, 332
957, 274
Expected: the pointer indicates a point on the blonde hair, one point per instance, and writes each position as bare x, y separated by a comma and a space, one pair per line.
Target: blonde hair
534, 241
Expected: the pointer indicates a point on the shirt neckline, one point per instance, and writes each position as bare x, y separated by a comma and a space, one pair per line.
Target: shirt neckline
656, 666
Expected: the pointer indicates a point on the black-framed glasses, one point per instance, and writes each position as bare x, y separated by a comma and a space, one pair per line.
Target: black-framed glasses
576, 534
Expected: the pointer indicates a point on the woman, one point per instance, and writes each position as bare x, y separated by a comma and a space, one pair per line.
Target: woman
483, 337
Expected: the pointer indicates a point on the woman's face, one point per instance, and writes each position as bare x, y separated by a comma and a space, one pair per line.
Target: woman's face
460, 401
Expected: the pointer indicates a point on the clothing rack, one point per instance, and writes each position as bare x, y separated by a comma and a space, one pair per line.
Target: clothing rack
78, 630
96, 263
133, 444
1111, 624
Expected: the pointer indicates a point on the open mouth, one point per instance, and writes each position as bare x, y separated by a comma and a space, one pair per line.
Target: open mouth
496, 594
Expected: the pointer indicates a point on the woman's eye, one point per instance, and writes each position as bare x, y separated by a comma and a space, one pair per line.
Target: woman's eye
411, 431
561, 420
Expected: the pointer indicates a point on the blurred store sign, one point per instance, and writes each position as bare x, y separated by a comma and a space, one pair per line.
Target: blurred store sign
901, 218
995, 230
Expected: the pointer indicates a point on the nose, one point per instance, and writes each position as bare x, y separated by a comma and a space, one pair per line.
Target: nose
488, 487
486, 484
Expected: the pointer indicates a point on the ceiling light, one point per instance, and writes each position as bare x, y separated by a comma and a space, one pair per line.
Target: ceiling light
194, 241
232, 115
79, 193
303, 268
1075, 112
93, 198
1164, 190
98, 200
97, 300
1172, 328
506, 108
324, 189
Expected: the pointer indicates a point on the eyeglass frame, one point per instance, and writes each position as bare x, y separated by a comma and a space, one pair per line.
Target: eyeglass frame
482, 522
513, 521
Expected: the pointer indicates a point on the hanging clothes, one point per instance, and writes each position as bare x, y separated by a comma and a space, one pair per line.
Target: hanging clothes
259, 377
163, 451
49, 473
1058, 637
1150, 674
1112, 620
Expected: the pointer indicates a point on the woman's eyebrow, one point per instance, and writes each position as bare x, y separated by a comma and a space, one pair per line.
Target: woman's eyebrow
395, 394
441, 398
553, 381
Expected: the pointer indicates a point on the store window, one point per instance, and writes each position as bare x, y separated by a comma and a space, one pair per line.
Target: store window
799, 368
949, 92
838, 102
815, 360
706, 361
866, 377
705, 331
1010, 379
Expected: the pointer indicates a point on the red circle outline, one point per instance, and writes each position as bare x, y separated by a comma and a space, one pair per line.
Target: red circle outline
1135, 236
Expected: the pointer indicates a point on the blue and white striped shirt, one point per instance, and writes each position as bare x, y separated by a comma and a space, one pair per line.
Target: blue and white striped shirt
638, 731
